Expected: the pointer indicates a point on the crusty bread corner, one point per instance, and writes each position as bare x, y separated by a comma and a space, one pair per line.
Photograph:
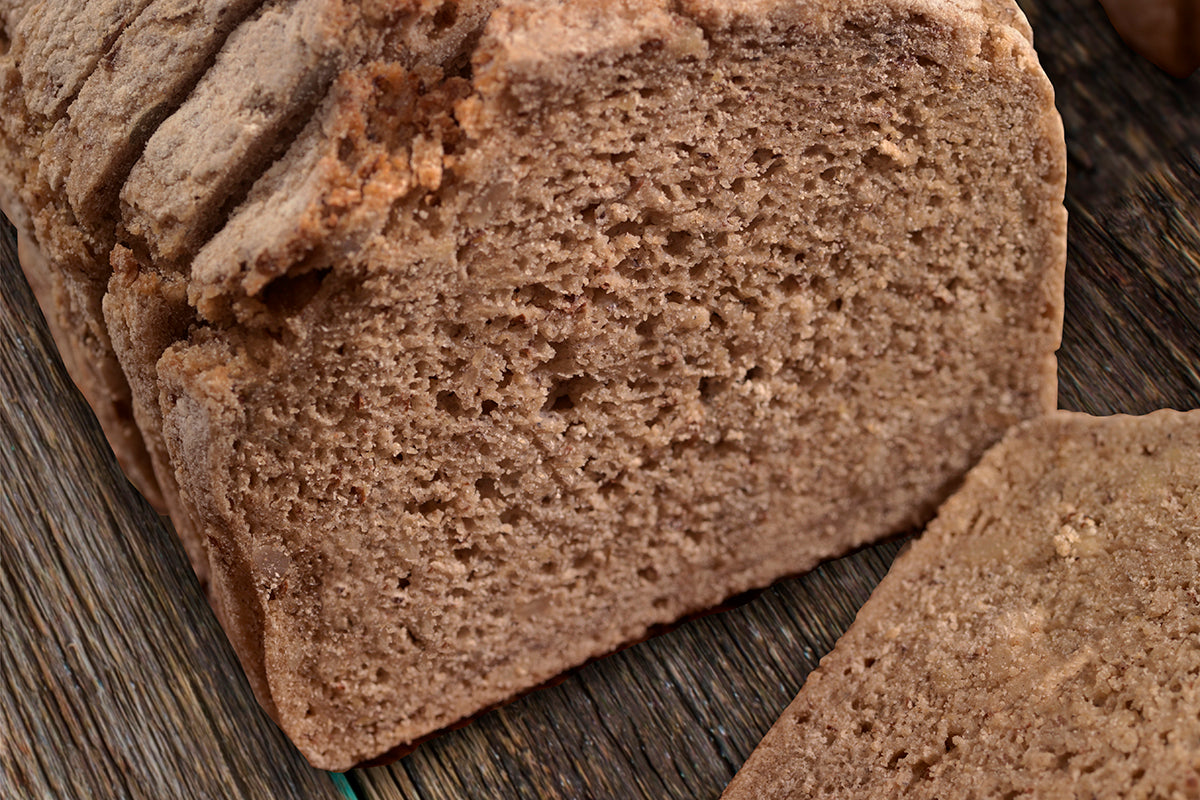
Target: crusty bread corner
1041, 637
80, 118
495, 336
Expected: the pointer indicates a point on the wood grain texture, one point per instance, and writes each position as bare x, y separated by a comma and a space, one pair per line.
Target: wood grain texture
118, 683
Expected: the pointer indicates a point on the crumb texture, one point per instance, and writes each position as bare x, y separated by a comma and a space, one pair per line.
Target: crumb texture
1041, 638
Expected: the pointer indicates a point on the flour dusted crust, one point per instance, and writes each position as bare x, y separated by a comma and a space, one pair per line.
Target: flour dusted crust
1042, 637
475, 339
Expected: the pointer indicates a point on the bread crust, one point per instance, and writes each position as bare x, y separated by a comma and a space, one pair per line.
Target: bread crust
71, 306
1167, 32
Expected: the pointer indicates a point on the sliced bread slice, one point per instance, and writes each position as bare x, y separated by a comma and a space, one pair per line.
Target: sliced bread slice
1042, 638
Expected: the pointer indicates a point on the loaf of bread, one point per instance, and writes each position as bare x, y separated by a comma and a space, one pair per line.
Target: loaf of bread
1042, 638
467, 341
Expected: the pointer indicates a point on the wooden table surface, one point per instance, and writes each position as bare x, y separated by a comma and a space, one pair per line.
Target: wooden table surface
117, 681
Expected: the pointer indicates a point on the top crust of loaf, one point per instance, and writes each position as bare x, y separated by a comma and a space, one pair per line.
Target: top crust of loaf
1043, 636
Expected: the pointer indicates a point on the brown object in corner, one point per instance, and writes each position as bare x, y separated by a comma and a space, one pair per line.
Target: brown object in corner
1042, 638
1167, 32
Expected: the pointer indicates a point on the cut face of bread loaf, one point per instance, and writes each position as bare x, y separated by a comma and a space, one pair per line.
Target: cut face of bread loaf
556, 321
1041, 638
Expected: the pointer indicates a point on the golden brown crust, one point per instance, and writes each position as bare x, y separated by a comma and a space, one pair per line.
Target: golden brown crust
145, 313
192, 414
